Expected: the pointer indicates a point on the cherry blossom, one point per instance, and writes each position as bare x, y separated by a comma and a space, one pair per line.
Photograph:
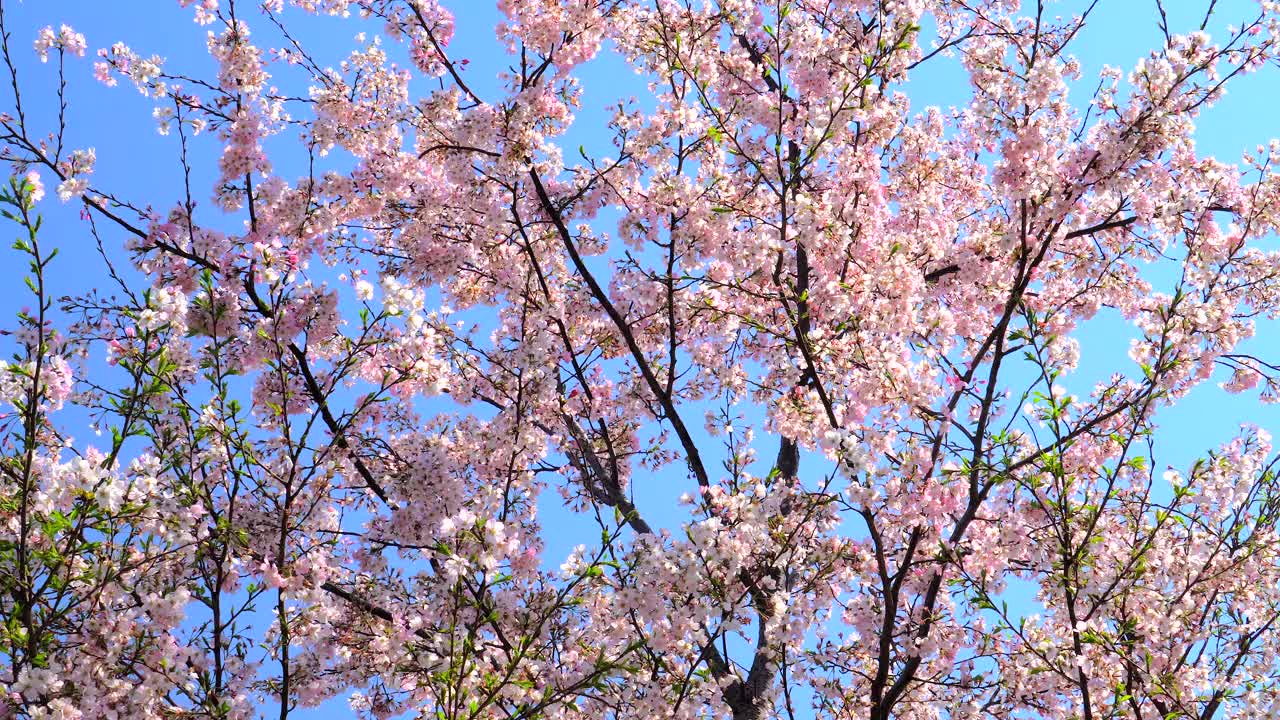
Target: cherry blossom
411, 397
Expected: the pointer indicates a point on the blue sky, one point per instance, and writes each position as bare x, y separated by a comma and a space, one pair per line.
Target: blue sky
138, 163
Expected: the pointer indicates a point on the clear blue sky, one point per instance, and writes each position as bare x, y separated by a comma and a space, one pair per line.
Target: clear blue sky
137, 163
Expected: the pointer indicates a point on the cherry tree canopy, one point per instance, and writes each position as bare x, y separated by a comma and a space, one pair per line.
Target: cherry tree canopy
344, 392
